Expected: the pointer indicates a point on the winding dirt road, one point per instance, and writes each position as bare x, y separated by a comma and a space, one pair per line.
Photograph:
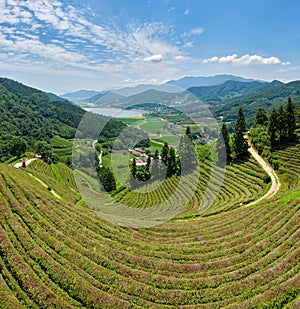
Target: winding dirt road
274, 178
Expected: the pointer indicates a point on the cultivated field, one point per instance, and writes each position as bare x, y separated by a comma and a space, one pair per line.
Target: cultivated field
57, 253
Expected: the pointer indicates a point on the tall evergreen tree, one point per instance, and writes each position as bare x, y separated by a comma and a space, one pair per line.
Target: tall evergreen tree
148, 164
186, 151
132, 180
281, 123
273, 127
290, 118
240, 145
172, 163
223, 145
261, 117
107, 179
164, 153
188, 132
133, 167
155, 165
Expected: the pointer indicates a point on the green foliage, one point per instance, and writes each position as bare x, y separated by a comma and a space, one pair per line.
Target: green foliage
172, 164
259, 138
261, 117
18, 146
223, 146
186, 152
107, 179
240, 146
30, 114
290, 118
272, 127
44, 150
274, 96
164, 153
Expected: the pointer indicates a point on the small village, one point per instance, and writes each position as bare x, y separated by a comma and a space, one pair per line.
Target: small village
139, 155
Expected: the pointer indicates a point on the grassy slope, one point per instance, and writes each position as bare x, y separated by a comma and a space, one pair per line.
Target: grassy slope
55, 253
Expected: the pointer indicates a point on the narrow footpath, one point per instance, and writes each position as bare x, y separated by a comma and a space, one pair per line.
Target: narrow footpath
19, 165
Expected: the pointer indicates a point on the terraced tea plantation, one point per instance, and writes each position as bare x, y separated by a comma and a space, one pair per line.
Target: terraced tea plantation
57, 253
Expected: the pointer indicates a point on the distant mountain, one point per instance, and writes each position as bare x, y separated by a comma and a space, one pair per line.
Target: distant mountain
194, 81
266, 98
230, 90
80, 95
106, 99
129, 91
212, 95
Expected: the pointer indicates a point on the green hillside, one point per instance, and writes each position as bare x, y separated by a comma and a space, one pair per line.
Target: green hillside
229, 246
230, 90
56, 253
267, 99
29, 115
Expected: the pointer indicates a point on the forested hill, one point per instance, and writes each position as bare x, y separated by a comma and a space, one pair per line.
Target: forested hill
267, 98
21, 90
31, 114
230, 90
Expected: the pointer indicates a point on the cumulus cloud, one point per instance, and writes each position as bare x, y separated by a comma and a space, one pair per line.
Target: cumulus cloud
154, 58
245, 60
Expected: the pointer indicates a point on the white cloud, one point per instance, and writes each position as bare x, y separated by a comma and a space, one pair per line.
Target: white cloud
54, 34
245, 60
154, 58
188, 45
187, 12
194, 32
182, 58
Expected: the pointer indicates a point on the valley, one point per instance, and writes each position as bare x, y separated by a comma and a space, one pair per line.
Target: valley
224, 233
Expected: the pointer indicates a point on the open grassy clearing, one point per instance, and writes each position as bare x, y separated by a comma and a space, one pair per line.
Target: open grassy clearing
57, 254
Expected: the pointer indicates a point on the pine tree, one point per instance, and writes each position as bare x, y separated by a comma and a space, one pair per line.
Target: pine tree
155, 165
290, 118
186, 151
223, 146
148, 164
107, 179
133, 167
240, 145
171, 163
164, 153
261, 117
132, 180
281, 123
273, 127
188, 132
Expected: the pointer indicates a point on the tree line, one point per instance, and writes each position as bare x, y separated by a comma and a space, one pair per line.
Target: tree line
268, 131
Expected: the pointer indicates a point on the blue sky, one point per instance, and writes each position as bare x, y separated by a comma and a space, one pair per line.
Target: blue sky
67, 45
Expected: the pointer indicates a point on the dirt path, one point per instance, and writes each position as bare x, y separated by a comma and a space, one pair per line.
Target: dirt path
44, 185
19, 165
142, 123
274, 178
100, 159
